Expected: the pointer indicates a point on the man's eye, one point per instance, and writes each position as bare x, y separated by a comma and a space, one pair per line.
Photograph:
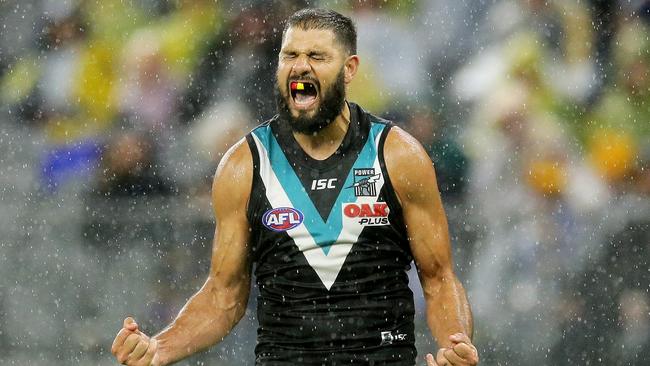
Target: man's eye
317, 57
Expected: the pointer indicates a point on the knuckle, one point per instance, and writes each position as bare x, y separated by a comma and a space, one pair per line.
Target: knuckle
150, 351
138, 352
123, 356
145, 348
117, 351
462, 349
129, 358
450, 355
133, 337
145, 361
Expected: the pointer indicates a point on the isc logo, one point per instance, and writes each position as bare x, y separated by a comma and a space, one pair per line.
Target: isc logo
282, 218
320, 184
368, 214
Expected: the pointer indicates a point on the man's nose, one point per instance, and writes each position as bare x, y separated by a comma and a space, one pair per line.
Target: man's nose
301, 66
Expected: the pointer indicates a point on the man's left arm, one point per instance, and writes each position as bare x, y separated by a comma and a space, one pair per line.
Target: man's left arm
448, 313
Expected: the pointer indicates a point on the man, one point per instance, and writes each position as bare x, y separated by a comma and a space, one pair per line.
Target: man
331, 204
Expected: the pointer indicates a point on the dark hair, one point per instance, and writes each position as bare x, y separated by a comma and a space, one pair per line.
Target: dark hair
342, 26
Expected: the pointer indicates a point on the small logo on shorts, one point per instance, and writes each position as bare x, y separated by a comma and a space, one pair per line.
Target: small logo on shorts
388, 337
282, 218
364, 182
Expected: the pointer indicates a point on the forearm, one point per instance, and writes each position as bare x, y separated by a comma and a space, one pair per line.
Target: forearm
205, 320
448, 311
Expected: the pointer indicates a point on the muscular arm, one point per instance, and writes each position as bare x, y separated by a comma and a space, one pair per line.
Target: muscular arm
414, 180
215, 309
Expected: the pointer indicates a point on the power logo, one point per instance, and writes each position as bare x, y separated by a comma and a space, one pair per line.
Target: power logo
367, 214
365, 181
282, 218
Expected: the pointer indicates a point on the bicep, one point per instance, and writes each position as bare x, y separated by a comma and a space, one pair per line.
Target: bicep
230, 262
414, 180
428, 238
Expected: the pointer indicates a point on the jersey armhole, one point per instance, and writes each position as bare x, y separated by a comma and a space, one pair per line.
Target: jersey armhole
254, 200
389, 192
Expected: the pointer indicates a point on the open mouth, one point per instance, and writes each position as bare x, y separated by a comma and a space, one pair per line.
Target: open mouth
303, 93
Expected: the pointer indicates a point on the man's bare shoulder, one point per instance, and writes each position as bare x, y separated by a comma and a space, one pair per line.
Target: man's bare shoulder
408, 163
232, 181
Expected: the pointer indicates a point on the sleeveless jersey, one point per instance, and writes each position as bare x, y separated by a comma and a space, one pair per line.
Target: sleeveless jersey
330, 250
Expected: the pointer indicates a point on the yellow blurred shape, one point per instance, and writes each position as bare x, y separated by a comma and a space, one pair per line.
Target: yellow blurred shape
525, 54
95, 83
547, 176
112, 20
65, 129
612, 153
19, 81
368, 91
185, 33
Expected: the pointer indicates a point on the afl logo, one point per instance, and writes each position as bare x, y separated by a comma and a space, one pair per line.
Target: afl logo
282, 218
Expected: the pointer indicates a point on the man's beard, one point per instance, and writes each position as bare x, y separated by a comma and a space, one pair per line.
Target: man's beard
331, 104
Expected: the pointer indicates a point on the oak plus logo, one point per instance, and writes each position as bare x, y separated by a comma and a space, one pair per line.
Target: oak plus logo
365, 182
282, 218
367, 214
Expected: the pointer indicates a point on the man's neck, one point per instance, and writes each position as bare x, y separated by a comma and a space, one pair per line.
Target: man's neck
324, 143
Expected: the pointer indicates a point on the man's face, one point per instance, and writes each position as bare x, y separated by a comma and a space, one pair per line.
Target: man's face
310, 79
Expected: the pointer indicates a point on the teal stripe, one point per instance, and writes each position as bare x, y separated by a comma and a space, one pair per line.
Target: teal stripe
324, 233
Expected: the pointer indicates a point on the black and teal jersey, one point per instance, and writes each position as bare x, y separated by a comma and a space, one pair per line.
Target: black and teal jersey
330, 250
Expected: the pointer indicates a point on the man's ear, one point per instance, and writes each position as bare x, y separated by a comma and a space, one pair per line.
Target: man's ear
351, 67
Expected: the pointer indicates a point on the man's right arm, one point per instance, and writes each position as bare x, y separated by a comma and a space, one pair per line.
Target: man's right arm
215, 309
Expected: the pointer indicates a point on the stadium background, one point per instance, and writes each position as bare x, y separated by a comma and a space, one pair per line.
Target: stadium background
114, 115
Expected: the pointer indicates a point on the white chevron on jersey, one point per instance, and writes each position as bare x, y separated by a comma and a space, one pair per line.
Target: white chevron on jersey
327, 266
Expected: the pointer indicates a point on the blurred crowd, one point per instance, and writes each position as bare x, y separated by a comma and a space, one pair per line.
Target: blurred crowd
536, 114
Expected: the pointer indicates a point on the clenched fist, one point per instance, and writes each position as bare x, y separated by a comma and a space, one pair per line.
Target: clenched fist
134, 348
461, 353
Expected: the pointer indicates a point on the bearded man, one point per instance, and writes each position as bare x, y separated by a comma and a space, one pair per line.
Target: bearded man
332, 205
